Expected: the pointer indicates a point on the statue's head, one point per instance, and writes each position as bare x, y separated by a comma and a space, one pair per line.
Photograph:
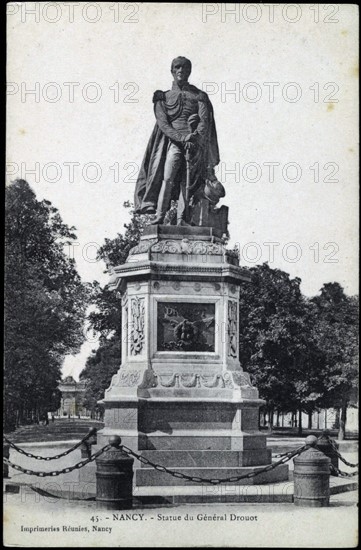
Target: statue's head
181, 68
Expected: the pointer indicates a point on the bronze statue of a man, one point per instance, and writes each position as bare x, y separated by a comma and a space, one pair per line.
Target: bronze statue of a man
184, 128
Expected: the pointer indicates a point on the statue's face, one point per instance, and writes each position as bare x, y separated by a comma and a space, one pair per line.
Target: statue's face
180, 71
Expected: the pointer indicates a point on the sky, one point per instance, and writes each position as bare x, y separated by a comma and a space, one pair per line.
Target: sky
283, 84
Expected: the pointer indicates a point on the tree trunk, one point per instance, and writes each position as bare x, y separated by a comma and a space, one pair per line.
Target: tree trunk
295, 420
278, 419
271, 417
283, 420
343, 418
310, 414
337, 419
300, 422
17, 417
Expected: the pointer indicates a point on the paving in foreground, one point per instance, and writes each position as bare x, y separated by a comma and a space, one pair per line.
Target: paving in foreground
33, 521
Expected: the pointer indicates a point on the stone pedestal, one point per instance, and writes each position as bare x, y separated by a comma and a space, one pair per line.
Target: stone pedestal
180, 397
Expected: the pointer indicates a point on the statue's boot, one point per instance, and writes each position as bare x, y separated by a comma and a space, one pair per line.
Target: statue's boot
163, 202
147, 209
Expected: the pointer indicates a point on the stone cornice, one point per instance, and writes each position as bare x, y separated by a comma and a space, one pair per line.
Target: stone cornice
194, 271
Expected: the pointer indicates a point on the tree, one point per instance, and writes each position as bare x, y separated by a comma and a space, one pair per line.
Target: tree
106, 318
276, 343
336, 331
99, 369
45, 303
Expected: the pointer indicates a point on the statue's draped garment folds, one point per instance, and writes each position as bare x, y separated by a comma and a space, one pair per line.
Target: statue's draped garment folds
172, 111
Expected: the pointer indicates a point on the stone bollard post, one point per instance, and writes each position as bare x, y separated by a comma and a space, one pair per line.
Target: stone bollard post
327, 445
86, 447
114, 478
6, 454
312, 477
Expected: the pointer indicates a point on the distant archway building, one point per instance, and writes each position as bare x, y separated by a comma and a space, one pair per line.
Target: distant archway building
72, 397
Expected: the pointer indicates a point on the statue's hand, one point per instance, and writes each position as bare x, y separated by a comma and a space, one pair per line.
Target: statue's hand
189, 146
191, 142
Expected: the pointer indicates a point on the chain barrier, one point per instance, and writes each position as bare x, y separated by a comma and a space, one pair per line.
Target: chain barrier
179, 475
215, 481
288, 453
338, 454
47, 458
158, 467
58, 472
338, 473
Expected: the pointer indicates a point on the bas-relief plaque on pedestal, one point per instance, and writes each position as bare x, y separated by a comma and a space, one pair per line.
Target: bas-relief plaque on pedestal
186, 327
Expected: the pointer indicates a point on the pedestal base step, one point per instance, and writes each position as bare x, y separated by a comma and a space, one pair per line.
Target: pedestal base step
207, 494
209, 458
216, 440
151, 477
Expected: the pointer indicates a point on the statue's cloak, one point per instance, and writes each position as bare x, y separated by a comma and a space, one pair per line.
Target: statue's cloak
151, 172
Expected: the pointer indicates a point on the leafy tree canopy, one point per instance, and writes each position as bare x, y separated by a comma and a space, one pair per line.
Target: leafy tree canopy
45, 302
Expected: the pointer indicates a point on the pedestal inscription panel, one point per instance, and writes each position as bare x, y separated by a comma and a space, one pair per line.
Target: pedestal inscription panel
185, 326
